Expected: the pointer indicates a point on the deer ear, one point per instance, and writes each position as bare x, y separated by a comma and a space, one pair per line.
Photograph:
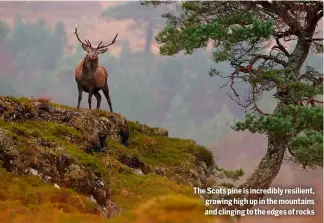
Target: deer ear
103, 50
85, 47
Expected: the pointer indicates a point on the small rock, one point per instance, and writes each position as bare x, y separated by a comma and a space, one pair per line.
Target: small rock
138, 171
203, 165
2, 109
201, 171
33, 172
2, 133
160, 131
92, 199
132, 161
43, 106
193, 174
101, 183
110, 210
100, 195
198, 183
159, 171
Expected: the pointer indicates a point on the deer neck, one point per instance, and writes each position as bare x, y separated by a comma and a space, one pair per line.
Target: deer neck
89, 66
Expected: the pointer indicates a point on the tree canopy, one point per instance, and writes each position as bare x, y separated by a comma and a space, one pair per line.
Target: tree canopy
253, 37
146, 19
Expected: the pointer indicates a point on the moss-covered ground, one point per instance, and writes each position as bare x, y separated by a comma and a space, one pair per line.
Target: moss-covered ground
144, 197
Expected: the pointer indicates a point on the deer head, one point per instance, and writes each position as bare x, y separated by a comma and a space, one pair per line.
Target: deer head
93, 52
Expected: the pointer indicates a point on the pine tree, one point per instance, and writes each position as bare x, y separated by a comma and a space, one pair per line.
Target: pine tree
239, 32
177, 120
217, 127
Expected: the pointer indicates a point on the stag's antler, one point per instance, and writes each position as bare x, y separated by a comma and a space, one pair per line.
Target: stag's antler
87, 42
104, 46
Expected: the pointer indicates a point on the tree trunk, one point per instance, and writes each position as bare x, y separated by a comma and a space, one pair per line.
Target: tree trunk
149, 36
270, 164
267, 170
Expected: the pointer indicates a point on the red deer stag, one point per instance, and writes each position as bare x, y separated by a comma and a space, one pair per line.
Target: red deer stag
89, 75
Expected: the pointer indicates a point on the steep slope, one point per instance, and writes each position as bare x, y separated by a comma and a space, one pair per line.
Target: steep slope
59, 164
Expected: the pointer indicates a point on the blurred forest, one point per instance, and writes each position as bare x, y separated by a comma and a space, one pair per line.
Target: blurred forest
173, 92
37, 58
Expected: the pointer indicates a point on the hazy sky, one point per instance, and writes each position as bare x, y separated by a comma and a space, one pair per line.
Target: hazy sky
86, 14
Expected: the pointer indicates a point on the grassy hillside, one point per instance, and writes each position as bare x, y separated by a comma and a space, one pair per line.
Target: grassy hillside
59, 164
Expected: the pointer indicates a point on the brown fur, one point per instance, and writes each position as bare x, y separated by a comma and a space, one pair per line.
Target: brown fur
100, 75
90, 76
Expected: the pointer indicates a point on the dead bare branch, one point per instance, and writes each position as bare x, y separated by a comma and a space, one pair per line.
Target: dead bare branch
256, 108
281, 47
266, 57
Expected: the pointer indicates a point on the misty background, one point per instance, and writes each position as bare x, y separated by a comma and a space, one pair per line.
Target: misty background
39, 52
38, 59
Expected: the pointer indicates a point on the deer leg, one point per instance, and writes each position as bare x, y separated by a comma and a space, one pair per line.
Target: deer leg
80, 95
90, 98
98, 97
106, 93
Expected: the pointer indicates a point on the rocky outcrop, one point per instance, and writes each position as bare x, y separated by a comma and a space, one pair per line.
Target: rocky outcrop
95, 128
55, 166
49, 160
98, 154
